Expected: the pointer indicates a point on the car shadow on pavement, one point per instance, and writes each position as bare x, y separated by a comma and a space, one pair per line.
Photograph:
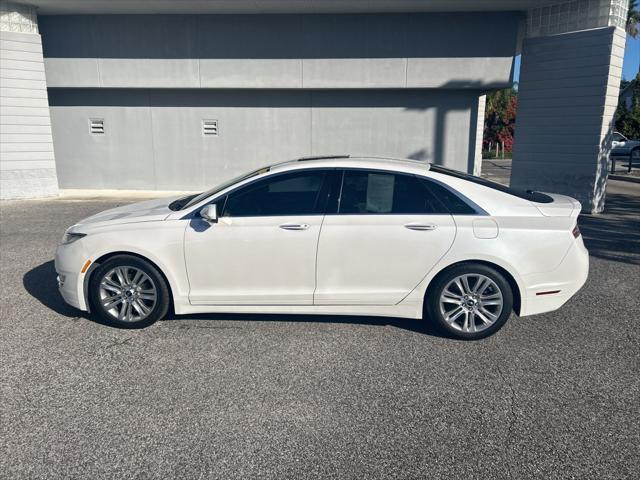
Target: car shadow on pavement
615, 234
412, 325
40, 283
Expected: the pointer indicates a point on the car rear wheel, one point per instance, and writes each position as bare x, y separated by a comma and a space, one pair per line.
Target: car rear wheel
128, 292
469, 301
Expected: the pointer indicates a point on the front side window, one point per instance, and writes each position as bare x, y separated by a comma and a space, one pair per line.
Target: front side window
288, 194
378, 192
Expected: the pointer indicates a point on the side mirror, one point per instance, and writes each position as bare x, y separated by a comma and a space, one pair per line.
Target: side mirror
209, 213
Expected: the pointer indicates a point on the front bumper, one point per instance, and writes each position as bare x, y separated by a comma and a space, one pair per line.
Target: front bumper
567, 279
68, 263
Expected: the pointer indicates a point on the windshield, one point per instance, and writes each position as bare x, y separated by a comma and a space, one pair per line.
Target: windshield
191, 200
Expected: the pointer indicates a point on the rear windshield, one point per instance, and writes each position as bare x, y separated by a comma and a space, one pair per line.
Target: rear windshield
530, 195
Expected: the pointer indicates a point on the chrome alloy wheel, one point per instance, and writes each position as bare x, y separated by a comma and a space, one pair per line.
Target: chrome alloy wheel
128, 294
471, 303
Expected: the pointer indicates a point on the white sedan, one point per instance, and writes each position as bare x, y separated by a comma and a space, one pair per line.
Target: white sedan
336, 236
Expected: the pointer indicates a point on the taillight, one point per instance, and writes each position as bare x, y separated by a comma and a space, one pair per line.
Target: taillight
576, 231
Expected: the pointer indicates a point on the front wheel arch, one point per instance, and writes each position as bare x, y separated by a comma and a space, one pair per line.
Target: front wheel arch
515, 289
96, 263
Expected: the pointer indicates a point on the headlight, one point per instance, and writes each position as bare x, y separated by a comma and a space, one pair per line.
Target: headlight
70, 237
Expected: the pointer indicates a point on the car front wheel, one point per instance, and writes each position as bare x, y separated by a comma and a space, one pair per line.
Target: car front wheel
128, 292
469, 301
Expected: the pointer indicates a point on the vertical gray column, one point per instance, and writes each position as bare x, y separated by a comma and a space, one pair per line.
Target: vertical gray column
479, 131
27, 163
568, 92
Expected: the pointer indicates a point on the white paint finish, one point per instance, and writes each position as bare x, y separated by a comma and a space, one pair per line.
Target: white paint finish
19, 91
23, 65
25, 120
18, 46
26, 145
28, 165
362, 259
21, 74
29, 155
23, 84
252, 261
6, 128
27, 182
485, 228
21, 55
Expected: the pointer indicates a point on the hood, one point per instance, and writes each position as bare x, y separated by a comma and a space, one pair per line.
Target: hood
147, 211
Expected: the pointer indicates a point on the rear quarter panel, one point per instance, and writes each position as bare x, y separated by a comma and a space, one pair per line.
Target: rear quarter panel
527, 242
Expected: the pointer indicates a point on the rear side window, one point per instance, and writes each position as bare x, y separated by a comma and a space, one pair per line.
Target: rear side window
378, 192
453, 203
289, 194
530, 195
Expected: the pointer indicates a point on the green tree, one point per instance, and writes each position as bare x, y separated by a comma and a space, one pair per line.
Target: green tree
633, 18
499, 119
627, 120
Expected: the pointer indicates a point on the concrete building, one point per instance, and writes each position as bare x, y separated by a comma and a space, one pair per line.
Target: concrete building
170, 95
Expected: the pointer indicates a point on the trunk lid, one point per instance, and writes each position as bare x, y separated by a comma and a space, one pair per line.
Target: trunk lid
562, 206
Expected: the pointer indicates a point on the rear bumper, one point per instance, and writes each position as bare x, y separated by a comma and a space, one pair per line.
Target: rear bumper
566, 280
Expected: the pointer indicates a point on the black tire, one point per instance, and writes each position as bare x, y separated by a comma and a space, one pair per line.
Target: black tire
154, 281
456, 329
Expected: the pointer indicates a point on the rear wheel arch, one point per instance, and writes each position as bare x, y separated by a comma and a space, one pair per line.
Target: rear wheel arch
515, 288
96, 263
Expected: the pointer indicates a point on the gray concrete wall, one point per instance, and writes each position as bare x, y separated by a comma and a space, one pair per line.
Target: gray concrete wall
567, 96
415, 50
27, 163
153, 138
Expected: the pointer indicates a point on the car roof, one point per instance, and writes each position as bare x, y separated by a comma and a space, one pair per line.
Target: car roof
354, 161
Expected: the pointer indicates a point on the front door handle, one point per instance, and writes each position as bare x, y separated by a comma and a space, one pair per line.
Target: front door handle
420, 226
294, 226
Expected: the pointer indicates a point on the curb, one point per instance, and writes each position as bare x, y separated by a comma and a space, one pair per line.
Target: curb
624, 178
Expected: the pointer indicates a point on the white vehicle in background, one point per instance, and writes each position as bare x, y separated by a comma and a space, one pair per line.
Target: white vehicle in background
624, 149
332, 235
621, 146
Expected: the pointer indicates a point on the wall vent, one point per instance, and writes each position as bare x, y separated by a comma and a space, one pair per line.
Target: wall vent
210, 127
96, 126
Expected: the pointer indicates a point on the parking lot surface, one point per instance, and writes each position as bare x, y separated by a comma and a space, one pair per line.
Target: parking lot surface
249, 396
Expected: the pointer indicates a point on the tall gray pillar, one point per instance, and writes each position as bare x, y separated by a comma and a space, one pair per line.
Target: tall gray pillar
568, 92
27, 162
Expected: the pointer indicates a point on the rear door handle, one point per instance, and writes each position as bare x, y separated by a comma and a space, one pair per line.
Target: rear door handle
420, 226
294, 226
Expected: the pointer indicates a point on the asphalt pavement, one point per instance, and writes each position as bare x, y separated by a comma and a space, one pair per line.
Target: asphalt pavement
249, 396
